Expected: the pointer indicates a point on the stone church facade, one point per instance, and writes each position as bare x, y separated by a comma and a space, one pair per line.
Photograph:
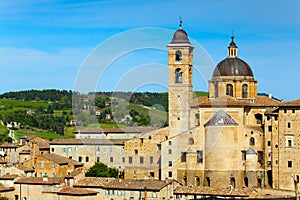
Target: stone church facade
233, 136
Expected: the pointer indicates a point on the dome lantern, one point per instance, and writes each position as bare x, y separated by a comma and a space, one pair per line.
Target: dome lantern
232, 49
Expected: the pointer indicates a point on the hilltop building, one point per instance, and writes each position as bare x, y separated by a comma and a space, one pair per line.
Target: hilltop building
231, 137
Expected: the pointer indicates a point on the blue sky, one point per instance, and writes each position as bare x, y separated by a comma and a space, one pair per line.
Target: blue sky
46, 43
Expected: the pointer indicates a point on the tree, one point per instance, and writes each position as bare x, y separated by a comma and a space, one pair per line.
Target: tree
102, 170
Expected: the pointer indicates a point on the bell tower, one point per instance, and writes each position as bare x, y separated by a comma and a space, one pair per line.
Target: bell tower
180, 59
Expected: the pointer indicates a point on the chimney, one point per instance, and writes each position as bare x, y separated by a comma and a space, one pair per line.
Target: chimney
270, 95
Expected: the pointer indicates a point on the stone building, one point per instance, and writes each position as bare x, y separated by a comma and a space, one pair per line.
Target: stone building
233, 136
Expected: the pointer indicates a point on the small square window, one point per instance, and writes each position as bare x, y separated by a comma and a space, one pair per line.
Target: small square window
170, 142
136, 152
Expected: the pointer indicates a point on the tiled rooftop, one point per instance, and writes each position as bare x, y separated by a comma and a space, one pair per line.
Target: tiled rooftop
61, 160
295, 102
70, 191
221, 118
39, 181
233, 102
8, 177
97, 182
149, 184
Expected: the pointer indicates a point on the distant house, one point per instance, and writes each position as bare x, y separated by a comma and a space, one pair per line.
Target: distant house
30, 112
98, 112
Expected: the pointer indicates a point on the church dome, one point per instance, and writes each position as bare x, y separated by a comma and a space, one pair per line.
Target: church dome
180, 36
232, 67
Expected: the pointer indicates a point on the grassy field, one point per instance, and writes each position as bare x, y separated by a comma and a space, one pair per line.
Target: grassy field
43, 134
23, 104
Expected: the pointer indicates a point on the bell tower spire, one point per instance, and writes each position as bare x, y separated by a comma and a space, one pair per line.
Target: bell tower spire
180, 59
232, 49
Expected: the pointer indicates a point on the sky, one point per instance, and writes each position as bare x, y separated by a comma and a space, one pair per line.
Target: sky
107, 45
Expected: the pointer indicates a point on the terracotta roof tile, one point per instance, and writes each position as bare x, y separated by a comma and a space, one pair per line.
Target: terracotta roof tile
61, 160
295, 102
8, 177
150, 184
6, 189
39, 181
24, 168
230, 101
93, 182
71, 191
10, 145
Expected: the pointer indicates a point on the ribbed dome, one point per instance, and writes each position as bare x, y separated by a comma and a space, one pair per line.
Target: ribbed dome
232, 67
180, 36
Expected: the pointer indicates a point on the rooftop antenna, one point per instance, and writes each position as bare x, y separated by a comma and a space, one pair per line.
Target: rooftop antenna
232, 35
180, 23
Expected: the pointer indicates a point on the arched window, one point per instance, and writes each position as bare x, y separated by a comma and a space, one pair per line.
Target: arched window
216, 90
197, 180
178, 57
178, 74
252, 141
229, 90
245, 91
191, 140
246, 181
232, 182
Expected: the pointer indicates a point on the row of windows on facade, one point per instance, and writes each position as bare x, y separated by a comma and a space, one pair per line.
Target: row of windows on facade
229, 90
207, 181
98, 149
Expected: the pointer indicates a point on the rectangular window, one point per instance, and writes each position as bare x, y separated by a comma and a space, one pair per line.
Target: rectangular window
110, 149
170, 151
289, 124
151, 160
170, 174
269, 143
52, 149
70, 149
87, 149
260, 157
53, 165
104, 149
199, 156
79, 159
270, 128
42, 164
98, 159
130, 160
170, 163
141, 160
183, 156
76, 148
289, 141
243, 155
123, 159
136, 152
64, 150
285, 111
170, 142
98, 148
111, 159
290, 164
87, 159
293, 111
